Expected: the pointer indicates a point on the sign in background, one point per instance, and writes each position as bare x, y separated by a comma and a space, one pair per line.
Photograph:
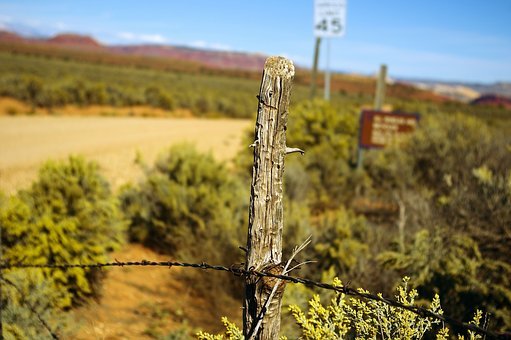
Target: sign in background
329, 18
378, 128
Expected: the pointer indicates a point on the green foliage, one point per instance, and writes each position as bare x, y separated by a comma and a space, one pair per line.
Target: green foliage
347, 317
436, 261
297, 227
341, 242
318, 122
155, 97
328, 135
452, 180
353, 317
454, 173
232, 332
51, 83
67, 216
453, 267
189, 204
28, 295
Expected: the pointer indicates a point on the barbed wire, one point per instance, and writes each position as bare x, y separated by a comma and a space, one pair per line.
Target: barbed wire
238, 270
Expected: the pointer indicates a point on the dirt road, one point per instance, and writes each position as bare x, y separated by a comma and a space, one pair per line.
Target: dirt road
27, 141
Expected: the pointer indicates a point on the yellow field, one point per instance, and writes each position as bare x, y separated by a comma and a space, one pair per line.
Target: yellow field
27, 141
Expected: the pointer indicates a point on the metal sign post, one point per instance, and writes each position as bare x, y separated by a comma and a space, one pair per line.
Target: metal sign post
315, 68
379, 98
327, 72
329, 21
380, 88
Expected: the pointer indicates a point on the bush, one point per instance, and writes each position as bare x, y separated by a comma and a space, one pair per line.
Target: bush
453, 173
347, 317
154, 96
340, 244
190, 205
26, 293
329, 138
67, 216
452, 266
352, 317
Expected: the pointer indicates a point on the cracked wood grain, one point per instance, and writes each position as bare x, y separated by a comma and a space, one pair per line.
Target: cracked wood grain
264, 241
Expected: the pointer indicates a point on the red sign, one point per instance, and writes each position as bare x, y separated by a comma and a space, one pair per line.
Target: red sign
378, 128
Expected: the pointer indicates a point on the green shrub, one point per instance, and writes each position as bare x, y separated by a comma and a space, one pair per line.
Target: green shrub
341, 242
452, 172
154, 96
67, 216
347, 317
329, 136
315, 123
189, 204
452, 266
28, 295
364, 319
191, 207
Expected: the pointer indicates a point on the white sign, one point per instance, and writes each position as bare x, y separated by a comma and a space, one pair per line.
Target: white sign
329, 18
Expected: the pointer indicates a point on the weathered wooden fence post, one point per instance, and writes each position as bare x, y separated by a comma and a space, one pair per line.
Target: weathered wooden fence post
264, 241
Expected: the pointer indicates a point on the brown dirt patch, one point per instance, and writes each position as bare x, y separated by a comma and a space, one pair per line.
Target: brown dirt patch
147, 302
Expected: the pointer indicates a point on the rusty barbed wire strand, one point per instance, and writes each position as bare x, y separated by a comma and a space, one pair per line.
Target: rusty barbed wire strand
32, 309
238, 271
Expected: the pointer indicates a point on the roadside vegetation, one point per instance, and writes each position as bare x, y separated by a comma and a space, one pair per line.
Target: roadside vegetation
434, 207
52, 79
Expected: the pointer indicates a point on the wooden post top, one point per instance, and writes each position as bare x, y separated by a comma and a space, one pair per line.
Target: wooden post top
279, 67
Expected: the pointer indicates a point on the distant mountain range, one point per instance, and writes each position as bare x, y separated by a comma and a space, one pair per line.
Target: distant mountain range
466, 92
212, 58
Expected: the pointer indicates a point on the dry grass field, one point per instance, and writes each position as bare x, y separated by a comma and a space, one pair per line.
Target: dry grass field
27, 141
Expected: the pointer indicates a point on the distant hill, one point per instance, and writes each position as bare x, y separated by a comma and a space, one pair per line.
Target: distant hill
83, 48
500, 88
465, 92
219, 59
70, 39
10, 37
493, 100
212, 58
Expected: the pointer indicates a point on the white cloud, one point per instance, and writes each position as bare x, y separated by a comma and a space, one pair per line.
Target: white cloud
127, 36
153, 38
211, 46
145, 38
61, 26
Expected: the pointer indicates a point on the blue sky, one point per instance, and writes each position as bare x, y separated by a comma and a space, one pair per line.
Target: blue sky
455, 40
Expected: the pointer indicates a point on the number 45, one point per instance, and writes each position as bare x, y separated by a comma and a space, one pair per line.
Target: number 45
335, 25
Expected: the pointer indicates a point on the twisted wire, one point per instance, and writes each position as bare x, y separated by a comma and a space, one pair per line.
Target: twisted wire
238, 270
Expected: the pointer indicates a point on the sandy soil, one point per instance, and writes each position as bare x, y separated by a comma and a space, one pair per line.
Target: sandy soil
27, 141
146, 302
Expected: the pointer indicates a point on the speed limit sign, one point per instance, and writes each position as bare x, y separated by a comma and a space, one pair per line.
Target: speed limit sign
329, 18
